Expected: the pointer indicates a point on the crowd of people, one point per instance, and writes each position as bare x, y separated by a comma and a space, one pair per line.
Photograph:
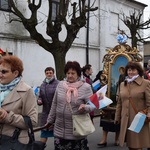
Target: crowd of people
17, 100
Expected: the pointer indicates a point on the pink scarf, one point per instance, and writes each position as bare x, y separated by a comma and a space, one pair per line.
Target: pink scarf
72, 88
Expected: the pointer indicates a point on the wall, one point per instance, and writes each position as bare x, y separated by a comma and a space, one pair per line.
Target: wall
103, 30
111, 11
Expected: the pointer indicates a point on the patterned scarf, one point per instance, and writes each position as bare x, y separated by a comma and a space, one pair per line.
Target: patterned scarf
6, 89
72, 88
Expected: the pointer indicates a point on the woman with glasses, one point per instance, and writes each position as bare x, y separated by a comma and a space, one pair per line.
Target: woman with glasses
16, 100
47, 90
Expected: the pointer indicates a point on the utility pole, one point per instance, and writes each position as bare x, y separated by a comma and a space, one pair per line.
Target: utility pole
87, 35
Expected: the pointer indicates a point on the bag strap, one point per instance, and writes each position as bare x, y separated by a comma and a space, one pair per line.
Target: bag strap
130, 100
17, 131
133, 106
28, 123
16, 134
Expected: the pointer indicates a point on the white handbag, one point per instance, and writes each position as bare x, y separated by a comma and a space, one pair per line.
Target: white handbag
82, 125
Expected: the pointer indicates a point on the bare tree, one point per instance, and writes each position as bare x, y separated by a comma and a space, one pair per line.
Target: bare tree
135, 24
56, 47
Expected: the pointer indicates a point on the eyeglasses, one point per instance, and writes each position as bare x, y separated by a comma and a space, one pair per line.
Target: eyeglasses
4, 71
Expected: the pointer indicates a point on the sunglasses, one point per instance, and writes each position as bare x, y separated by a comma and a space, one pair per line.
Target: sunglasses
4, 71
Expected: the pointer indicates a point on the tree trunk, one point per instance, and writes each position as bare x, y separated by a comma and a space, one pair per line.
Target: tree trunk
59, 58
56, 47
134, 40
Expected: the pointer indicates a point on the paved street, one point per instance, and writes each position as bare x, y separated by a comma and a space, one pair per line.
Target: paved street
93, 139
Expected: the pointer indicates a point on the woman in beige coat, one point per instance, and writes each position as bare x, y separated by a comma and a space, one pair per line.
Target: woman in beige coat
136, 87
16, 99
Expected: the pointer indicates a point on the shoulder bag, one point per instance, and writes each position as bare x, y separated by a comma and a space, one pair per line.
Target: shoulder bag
82, 124
144, 111
12, 143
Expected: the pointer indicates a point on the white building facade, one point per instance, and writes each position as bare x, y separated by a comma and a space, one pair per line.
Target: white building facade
103, 29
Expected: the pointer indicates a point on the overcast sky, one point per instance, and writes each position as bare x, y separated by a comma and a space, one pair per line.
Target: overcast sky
147, 9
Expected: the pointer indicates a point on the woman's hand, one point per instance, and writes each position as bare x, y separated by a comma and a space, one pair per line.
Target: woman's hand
47, 125
39, 102
3, 114
81, 108
116, 122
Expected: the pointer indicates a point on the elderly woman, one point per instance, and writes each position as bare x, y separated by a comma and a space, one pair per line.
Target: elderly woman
16, 99
47, 90
75, 92
135, 90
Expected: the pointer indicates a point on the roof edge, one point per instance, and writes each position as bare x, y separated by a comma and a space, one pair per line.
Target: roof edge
138, 2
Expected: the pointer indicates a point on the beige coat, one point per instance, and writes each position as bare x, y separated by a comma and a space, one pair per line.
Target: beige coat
20, 101
140, 94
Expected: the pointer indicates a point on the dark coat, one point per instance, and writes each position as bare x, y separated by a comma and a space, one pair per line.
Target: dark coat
46, 94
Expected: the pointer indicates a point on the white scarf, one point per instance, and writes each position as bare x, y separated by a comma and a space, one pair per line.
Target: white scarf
132, 79
49, 80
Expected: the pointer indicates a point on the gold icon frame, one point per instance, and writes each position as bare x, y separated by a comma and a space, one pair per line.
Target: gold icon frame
123, 53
